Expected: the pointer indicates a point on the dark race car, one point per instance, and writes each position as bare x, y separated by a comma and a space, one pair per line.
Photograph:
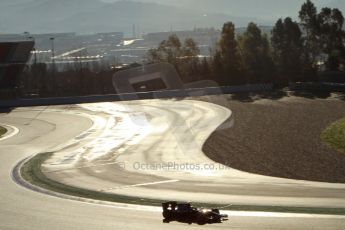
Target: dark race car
184, 212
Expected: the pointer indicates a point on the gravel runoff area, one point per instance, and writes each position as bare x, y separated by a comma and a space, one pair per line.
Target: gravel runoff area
279, 136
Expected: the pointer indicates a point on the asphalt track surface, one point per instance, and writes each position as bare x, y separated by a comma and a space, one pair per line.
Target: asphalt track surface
67, 129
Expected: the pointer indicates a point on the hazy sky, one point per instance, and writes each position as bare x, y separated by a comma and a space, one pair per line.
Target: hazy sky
265, 9
93, 16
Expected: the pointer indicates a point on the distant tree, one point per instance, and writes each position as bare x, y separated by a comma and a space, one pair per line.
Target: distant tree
168, 51
190, 48
229, 54
256, 55
323, 35
287, 47
183, 57
310, 26
190, 61
331, 22
204, 68
217, 67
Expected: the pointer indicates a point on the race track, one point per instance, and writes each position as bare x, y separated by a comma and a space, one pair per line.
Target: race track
97, 146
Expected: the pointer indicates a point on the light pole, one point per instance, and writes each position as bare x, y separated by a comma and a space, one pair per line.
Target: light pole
53, 52
34, 69
30, 79
53, 62
26, 34
34, 49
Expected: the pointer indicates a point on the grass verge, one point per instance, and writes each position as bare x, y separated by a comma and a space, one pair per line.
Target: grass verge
31, 172
334, 135
2, 131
